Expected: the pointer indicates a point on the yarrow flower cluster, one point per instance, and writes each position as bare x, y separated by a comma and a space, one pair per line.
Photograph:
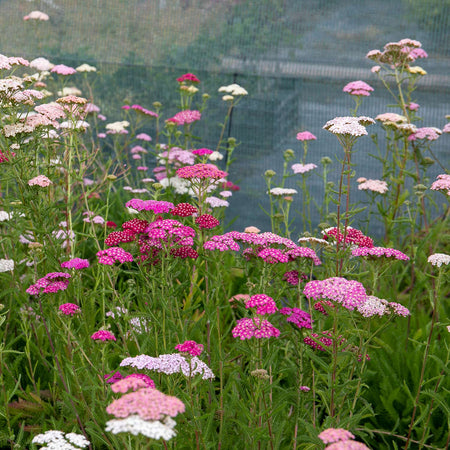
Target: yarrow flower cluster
277, 191
69, 309
157, 206
303, 168
40, 180
358, 88
426, 133
201, 171
170, 364
256, 327
190, 347
378, 252
57, 440
263, 304
353, 236
50, 283
297, 316
113, 254
352, 126
6, 265
305, 136
372, 185
185, 117
103, 335
349, 293
437, 259
75, 263
442, 183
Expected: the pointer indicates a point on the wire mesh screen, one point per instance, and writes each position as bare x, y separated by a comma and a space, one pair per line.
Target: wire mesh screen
293, 56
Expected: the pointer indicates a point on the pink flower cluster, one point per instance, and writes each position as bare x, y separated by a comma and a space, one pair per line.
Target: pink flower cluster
185, 117
62, 69
221, 243
340, 439
201, 171
263, 304
207, 221
315, 340
148, 403
379, 252
202, 151
103, 335
75, 263
69, 309
305, 136
40, 180
303, 252
254, 327
170, 364
190, 347
50, 283
188, 77
349, 293
303, 168
442, 183
297, 316
184, 210
353, 236
157, 206
142, 110
133, 382
113, 254
428, 133
358, 88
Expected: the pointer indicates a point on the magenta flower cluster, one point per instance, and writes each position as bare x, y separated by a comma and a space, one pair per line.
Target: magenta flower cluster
75, 263
69, 309
103, 335
157, 206
190, 347
254, 327
50, 283
379, 252
113, 254
298, 317
263, 304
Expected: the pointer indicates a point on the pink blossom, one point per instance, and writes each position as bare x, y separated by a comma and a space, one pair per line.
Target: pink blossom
331, 435
50, 283
429, 133
358, 88
103, 335
263, 304
379, 252
259, 328
305, 136
157, 206
36, 15
185, 117
69, 309
297, 316
303, 168
143, 137
190, 347
412, 106
148, 403
349, 293
442, 183
188, 77
373, 185
113, 254
201, 171
128, 384
75, 263
61, 69
40, 180
273, 255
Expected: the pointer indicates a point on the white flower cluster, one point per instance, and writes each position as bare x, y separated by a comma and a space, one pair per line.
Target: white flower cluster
56, 440
6, 265
117, 127
231, 91
437, 259
354, 126
135, 425
282, 191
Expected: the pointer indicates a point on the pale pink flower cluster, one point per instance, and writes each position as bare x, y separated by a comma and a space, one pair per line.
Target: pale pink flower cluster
379, 186
157, 206
347, 445
305, 136
40, 180
303, 168
437, 259
374, 306
148, 403
428, 133
254, 327
129, 384
221, 243
442, 183
379, 252
349, 293
200, 171
353, 126
273, 255
358, 88
176, 155
6, 62
278, 191
170, 364
50, 283
331, 435
62, 69
36, 15
303, 252
216, 202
